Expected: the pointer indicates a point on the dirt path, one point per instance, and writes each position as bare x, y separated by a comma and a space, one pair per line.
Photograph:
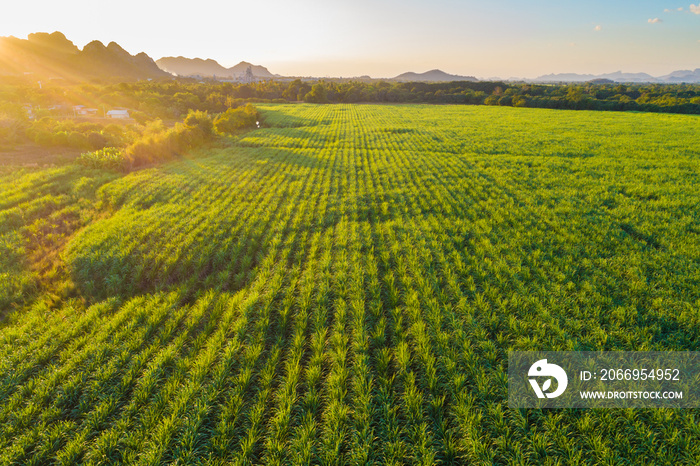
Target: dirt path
33, 155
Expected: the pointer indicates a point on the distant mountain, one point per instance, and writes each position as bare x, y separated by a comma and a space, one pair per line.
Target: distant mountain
113, 60
432, 76
182, 66
683, 76
618, 77
258, 71
566, 77
53, 56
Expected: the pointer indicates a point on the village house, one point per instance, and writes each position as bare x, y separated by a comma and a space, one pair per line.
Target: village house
82, 110
119, 114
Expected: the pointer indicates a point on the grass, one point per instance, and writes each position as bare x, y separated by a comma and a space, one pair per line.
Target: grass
342, 286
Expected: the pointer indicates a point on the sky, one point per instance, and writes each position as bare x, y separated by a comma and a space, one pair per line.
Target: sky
383, 38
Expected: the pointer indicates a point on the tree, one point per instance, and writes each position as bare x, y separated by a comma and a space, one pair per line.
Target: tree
519, 101
317, 95
184, 102
492, 100
292, 90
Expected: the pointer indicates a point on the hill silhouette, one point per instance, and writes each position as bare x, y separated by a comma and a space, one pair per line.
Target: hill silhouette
182, 66
52, 55
432, 76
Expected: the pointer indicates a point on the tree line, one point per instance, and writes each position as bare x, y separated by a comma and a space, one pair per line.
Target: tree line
174, 98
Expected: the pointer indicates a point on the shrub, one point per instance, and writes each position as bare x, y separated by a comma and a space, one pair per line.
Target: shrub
235, 119
60, 139
88, 127
199, 121
44, 138
78, 140
109, 157
140, 117
11, 130
96, 140
153, 147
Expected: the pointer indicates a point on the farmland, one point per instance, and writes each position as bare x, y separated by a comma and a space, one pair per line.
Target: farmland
342, 286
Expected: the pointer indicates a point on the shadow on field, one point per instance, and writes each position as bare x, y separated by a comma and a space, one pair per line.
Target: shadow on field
280, 119
111, 262
288, 157
192, 226
38, 218
285, 137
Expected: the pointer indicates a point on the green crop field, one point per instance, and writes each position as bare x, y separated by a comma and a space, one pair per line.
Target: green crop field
343, 285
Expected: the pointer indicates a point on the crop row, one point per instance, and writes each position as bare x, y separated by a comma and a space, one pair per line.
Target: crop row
343, 285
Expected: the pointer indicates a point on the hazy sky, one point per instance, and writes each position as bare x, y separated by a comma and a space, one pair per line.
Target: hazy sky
383, 38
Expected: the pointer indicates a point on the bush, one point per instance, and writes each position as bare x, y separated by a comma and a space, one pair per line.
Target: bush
60, 138
88, 127
44, 138
11, 131
200, 121
153, 147
78, 140
96, 140
140, 117
109, 157
88, 136
235, 119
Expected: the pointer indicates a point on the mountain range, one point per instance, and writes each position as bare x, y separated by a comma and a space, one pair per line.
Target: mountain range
182, 66
53, 56
681, 76
44, 55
